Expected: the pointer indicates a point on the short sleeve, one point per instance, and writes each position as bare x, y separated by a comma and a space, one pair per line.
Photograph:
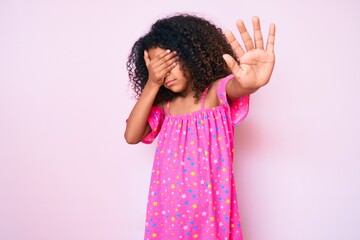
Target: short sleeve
155, 120
238, 108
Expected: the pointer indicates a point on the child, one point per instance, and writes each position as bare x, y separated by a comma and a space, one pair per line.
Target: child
193, 85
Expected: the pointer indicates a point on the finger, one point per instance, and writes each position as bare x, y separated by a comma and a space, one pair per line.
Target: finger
259, 42
166, 71
236, 47
231, 63
249, 45
162, 54
146, 57
271, 39
162, 64
163, 58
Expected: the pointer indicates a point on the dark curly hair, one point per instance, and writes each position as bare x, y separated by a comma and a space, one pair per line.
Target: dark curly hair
198, 43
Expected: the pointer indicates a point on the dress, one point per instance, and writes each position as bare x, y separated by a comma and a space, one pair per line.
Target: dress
192, 191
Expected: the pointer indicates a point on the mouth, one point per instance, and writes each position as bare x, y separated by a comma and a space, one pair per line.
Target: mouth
170, 82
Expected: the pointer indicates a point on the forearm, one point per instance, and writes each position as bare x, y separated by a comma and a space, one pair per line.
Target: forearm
137, 126
235, 89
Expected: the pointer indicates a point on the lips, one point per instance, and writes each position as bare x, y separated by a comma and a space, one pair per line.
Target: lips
170, 82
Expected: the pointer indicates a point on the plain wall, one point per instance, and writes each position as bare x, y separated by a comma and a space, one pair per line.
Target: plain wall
66, 172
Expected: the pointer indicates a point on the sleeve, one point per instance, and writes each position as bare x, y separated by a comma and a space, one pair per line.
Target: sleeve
239, 108
155, 120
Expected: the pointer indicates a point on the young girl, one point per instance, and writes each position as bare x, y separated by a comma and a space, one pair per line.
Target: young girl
193, 85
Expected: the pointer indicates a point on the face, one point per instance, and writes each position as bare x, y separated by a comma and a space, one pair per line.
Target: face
175, 79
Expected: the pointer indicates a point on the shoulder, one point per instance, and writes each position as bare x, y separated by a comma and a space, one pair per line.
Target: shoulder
219, 87
160, 106
221, 82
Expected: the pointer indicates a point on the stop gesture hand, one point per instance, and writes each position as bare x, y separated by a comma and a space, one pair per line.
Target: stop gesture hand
256, 62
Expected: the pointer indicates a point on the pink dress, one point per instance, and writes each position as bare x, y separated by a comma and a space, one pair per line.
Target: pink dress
192, 190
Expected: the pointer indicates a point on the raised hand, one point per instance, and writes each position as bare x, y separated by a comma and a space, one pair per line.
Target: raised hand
160, 65
256, 63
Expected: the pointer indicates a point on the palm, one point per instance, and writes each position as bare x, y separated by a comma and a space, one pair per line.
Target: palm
255, 68
256, 64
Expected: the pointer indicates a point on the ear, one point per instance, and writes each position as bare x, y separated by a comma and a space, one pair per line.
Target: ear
146, 57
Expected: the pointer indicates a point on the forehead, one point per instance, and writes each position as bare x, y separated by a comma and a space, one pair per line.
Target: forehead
153, 52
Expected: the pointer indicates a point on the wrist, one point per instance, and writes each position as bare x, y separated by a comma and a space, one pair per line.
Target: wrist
151, 87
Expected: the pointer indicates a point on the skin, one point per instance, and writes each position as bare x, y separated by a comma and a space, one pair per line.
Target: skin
253, 72
256, 63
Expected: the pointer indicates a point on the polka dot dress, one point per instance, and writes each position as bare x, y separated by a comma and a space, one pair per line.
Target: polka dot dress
192, 190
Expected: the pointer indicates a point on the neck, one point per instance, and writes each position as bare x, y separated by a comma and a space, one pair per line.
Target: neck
188, 92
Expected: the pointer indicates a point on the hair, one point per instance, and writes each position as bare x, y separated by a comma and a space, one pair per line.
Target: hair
199, 44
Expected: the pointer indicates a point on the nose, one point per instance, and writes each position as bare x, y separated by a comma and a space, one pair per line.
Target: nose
166, 75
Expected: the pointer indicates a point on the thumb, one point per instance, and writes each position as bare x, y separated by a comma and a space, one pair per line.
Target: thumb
231, 63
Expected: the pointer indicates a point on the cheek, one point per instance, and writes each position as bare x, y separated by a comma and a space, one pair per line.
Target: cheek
179, 71
176, 71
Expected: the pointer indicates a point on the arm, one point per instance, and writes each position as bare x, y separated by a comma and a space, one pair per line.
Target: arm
256, 63
137, 126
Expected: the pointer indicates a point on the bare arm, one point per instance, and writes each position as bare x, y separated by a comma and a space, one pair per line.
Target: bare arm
137, 126
256, 63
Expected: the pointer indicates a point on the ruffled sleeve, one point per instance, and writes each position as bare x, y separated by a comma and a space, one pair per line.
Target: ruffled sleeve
155, 120
238, 108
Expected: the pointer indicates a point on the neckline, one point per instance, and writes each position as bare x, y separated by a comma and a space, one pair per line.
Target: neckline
202, 104
194, 113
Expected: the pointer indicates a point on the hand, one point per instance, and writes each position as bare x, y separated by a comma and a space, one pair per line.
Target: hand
160, 66
256, 63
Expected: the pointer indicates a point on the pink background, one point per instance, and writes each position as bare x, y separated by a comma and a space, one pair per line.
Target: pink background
66, 172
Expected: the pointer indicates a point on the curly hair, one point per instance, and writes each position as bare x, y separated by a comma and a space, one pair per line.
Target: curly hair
199, 44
